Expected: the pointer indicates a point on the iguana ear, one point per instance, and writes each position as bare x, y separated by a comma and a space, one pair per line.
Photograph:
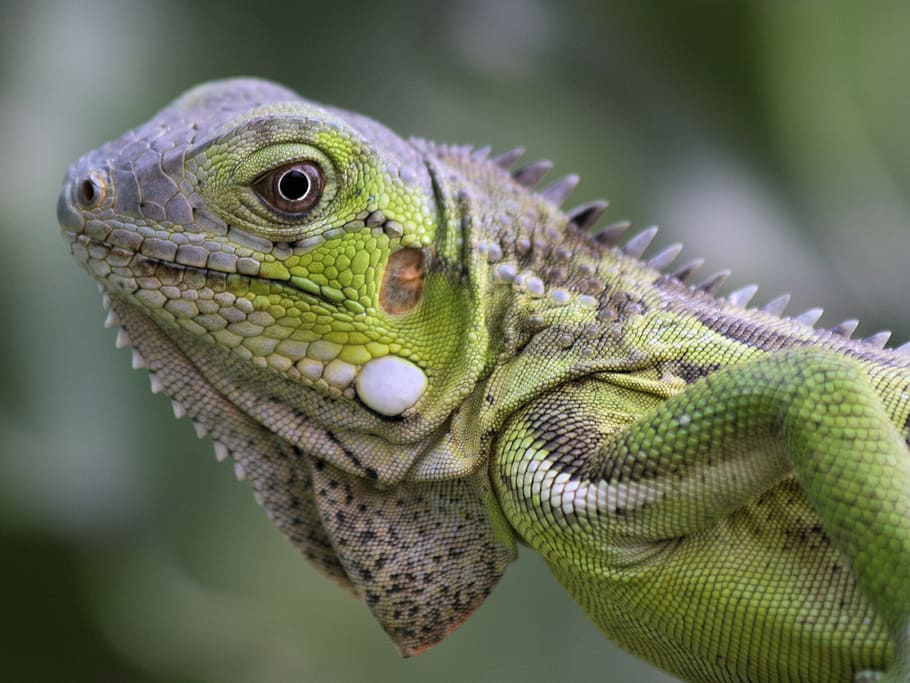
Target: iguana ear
423, 555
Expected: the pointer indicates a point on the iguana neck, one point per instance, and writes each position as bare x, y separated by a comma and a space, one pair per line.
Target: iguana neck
532, 267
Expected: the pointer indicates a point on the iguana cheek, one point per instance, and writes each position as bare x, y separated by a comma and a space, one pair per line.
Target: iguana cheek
390, 385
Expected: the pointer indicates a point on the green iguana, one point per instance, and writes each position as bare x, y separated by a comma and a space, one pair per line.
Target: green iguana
418, 361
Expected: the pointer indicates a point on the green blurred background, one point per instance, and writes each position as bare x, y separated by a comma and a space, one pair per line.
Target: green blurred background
772, 138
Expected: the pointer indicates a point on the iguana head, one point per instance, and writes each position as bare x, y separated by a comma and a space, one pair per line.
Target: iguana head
294, 277
315, 242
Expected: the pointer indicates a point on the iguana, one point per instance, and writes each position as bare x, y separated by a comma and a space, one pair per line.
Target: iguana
419, 362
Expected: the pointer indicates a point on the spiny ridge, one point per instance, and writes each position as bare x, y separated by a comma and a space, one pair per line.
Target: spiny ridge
480, 154
586, 215
508, 158
777, 305
714, 283
879, 339
611, 233
742, 296
157, 386
664, 258
123, 339
221, 451
557, 191
685, 272
809, 317
845, 328
636, 246
528, 176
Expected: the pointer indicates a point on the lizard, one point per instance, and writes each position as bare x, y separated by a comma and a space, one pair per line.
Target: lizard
421, 362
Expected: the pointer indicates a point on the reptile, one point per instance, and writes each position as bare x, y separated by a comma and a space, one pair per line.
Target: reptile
420, 362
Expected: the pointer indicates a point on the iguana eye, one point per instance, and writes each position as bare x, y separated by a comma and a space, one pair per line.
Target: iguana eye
292, 189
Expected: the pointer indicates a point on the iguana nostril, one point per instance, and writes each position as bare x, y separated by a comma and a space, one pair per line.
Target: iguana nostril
87, 192
90, 190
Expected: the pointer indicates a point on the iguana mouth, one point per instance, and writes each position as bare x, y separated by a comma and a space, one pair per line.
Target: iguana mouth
103, 259
387, 384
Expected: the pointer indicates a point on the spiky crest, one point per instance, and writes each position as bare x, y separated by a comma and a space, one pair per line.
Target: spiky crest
584, 217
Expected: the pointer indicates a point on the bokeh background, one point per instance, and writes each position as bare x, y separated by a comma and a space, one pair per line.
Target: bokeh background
770, 137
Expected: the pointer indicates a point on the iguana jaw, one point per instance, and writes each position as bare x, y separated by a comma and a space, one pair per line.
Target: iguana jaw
236, 309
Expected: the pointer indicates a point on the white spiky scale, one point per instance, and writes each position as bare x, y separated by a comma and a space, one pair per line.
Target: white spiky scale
123, 339
636, 246
742, 296
809, 317
665, 257
179, 410
137, 360
558, 191
686, 271
155, 381
111, 320
777, 305
879, 339
221, 451
846, 328
200, 429
390, 385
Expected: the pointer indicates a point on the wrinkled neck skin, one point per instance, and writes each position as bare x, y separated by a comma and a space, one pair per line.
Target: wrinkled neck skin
557, 304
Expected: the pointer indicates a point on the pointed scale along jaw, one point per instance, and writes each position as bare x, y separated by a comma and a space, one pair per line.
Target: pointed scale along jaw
291, 275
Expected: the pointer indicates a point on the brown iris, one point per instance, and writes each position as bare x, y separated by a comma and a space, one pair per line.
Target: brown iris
292, 189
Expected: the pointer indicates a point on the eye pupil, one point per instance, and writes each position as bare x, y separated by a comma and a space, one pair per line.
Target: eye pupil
293, 185
292, 190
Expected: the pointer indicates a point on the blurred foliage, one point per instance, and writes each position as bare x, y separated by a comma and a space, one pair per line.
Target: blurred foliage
771, 137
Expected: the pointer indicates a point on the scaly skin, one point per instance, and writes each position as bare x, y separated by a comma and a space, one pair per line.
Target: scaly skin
418, 362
